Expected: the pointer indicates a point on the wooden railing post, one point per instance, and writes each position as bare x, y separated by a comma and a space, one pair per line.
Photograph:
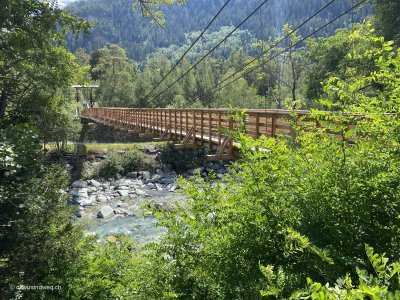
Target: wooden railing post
202, 127
257, 125
230, 147
273, 126
209, 129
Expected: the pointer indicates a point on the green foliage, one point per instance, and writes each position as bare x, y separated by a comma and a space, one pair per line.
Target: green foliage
182, 160
116, 163
33, 60
116, 22
386, 18
38, 238
369, 287
306, 206
116, 75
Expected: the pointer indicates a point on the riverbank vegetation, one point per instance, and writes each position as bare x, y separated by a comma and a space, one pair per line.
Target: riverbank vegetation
323, 207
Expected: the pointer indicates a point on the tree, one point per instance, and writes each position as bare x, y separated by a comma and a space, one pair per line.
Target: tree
150, 9
32, 55
388, 22
116, 76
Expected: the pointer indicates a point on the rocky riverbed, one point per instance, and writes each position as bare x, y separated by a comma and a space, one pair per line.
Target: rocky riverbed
125, 204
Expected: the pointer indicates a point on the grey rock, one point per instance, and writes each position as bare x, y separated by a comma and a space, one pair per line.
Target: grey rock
166, 168
146, 175
120, 211
79, 184
80, 214
133, 175
123, 193
94, 183
80, 192
92, 189
123, 182
105, 212
101, 198
159, 187
159, 172
124, 187
140, 192
85, 202
220, 176
156, 177
167, 180
122, 204
172, 188
151, 186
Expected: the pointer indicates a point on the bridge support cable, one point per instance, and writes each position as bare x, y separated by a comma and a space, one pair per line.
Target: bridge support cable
212, 50
187, 51
218, 87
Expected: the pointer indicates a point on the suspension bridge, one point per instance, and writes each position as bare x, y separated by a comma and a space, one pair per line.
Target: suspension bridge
191, 128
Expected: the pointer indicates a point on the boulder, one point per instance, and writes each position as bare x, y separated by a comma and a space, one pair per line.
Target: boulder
146, 175
133, 175
123, 182
80, 214
159, 187
120, 211
80, 192
123, 193
166, 168
85, 202
167, 180
101, 198
79, 184
140, 192
105, 212
94, 183
122, 204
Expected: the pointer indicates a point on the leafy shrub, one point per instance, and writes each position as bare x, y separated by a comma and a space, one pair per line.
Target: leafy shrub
136, 160
115, 163
380, 285
307, 207
110, 166
182, 160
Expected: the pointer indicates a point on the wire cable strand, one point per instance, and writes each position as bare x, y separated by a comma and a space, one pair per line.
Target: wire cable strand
292, 46
187, 51
212, 50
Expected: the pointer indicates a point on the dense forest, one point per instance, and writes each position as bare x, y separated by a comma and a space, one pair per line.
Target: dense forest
117, 23
315, 215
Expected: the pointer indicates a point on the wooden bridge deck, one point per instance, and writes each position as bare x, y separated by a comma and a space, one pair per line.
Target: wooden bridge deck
194, 127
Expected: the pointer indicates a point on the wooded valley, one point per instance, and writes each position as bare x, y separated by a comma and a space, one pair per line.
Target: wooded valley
311, 215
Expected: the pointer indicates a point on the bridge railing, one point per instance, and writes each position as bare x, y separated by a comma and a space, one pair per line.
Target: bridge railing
195, 126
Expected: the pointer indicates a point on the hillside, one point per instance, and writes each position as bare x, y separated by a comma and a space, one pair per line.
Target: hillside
117, 22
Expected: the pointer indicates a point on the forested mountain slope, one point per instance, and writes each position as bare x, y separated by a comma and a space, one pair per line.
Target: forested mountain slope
118, 23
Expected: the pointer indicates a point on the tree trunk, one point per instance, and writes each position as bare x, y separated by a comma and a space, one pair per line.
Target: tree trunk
3, 104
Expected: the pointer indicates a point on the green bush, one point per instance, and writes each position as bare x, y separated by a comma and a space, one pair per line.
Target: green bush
116, 163
110, 166
136, 160
182, 160
307, 206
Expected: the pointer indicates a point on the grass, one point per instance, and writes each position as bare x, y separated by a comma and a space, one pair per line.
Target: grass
82, 148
